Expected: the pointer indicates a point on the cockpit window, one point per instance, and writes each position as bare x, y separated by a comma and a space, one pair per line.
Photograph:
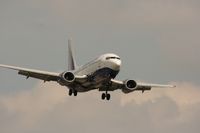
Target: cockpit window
108, 58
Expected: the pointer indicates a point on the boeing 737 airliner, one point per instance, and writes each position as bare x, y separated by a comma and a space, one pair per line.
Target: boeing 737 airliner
98, 74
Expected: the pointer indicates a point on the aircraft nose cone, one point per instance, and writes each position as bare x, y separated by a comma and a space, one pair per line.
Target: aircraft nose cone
117, 64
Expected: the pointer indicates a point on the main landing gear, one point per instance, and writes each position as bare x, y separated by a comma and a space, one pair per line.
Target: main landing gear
71, 91
105, 96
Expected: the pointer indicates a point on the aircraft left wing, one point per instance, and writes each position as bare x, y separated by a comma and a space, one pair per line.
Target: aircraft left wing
42, 75
128, 86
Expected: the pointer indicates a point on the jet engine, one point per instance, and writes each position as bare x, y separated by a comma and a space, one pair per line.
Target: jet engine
69, 77
130, 84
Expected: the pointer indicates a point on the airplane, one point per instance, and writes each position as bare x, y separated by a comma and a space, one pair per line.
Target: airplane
98, 74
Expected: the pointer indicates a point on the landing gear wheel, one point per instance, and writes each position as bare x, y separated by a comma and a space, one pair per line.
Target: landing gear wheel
108, 97
103, 96
70, 92
75, 93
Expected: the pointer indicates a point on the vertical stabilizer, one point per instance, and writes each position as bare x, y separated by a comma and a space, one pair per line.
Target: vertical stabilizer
71, 59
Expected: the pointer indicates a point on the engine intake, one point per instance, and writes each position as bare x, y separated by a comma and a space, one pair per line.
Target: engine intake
131, 84
68, 76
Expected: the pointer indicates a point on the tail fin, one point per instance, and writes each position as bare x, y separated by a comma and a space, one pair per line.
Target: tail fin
71, 59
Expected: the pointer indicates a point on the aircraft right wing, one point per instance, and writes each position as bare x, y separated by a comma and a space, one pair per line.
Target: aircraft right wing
128, 86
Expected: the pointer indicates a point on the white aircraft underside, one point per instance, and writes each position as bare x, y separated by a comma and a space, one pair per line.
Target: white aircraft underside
98, 74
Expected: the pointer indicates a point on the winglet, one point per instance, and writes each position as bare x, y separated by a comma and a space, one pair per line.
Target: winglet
71, 59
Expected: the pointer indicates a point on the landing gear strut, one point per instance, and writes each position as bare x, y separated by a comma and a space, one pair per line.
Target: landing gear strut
71, 91
105, 96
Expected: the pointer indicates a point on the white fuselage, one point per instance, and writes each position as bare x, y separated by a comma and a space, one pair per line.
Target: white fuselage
100, 71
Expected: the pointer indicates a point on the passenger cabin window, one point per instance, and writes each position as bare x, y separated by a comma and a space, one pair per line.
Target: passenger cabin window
108, 58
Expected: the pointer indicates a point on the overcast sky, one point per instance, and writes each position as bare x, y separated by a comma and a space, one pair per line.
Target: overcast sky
158, 41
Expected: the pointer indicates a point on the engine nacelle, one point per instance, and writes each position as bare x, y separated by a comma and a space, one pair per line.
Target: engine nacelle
130, 84
68, 76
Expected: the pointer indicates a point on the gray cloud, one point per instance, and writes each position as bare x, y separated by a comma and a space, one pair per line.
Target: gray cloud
47, 108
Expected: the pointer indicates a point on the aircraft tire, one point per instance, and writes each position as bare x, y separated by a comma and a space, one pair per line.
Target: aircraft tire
75, 93
70, 92
108, 97
103, 96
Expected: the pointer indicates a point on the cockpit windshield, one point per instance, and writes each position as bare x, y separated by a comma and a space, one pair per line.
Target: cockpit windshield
108, 58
